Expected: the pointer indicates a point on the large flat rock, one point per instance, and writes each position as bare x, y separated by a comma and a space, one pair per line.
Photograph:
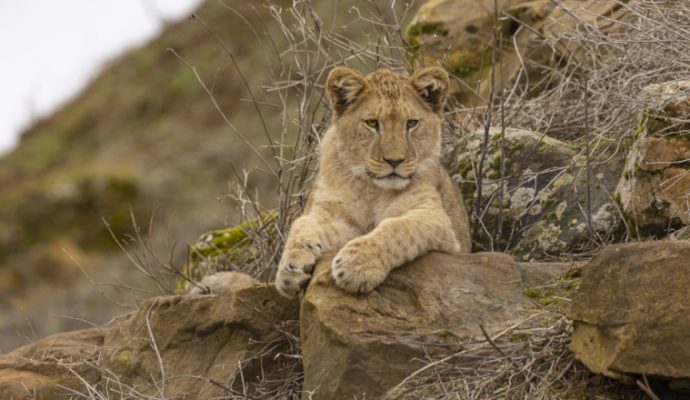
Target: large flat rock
359, 346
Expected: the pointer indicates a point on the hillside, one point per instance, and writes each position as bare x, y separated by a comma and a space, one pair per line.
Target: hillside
145, 135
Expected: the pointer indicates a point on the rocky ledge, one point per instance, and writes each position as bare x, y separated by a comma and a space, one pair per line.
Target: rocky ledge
245, 343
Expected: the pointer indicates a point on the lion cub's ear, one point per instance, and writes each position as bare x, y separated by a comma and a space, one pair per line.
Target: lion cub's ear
432, 83
343, 86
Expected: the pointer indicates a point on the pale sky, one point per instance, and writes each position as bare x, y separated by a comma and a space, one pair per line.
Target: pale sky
49, 50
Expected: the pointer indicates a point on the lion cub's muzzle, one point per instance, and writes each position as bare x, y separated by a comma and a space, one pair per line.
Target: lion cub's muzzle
391, 172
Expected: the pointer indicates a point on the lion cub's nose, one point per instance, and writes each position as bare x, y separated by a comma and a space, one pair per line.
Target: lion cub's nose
394, 162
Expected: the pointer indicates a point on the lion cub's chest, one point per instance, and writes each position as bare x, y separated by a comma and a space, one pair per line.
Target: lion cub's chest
371, 211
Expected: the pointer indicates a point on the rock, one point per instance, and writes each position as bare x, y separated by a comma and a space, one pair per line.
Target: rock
630, 312
535, 35
545, 194
654, 190
668, 105
52, 366
460, 33
222, 282
203, 341
539, 273
177, 347
571, 16
360, 346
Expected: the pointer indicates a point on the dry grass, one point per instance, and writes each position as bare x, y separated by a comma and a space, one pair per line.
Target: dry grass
528, 361
604, 62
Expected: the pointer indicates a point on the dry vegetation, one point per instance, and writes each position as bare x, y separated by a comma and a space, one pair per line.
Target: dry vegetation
590, 91
589, 94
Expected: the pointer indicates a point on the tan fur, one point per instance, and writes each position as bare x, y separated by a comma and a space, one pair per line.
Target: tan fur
377, 214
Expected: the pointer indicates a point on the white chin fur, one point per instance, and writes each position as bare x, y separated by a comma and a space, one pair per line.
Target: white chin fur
394, 183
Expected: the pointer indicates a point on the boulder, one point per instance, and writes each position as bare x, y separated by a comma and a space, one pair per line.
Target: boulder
50, 367
544, 204
178, 347
460, 33
535, 36
570, 16
201, 347
654, 190
630, 312
360, 346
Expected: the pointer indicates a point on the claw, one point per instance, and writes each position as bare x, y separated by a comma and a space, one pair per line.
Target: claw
296, 266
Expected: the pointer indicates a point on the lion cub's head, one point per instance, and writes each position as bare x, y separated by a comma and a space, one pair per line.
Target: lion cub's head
388, 125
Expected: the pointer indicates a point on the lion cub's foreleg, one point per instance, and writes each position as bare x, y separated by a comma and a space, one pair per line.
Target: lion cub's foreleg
316, 232
365, 261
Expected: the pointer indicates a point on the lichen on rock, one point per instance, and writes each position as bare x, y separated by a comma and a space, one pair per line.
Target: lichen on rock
543, 209
543, 237
654, 190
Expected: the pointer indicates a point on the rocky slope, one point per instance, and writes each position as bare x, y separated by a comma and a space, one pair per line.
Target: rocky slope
475, 324
242, 343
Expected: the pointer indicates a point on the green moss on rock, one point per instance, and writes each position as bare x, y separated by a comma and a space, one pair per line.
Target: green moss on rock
466, 62
555, 295
420, 28
221, 249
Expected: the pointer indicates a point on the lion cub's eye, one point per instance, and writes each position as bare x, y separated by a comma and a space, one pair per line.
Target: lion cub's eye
372, 123
411, 123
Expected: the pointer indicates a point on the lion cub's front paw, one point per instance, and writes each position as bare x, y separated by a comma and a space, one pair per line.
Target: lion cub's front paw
357, 268
296, 266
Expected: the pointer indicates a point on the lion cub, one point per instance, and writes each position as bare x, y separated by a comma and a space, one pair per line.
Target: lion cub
381, 196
